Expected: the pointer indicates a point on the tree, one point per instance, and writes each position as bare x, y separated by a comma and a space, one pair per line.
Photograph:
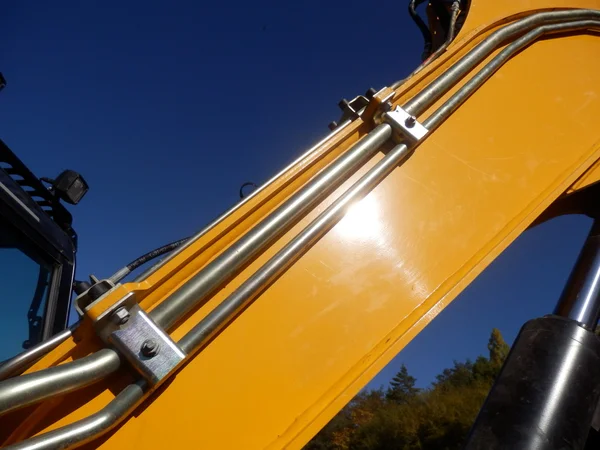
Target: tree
402, 387
459, 375
408, 418
498, 348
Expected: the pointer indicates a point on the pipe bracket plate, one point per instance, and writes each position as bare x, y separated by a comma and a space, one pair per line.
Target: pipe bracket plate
146, 346
405, 125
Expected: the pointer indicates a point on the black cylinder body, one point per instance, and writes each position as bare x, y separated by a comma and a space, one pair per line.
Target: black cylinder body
546, 392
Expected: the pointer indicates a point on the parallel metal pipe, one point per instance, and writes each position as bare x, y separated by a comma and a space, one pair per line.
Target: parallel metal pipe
33, 387
84, 430
498, 61
71, 376
219, 317
24, 360
437, 88
255, 192
229, 263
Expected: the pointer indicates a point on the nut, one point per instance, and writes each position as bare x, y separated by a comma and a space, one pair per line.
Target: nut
149, 348
120, 316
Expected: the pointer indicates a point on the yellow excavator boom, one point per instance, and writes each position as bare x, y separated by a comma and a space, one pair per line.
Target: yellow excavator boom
286, 306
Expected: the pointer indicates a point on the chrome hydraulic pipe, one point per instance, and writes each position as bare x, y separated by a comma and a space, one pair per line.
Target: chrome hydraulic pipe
498, 61
437, 88
84, 430
223, 313
229, 263
255, 192
580, 300
33, 387
18, 364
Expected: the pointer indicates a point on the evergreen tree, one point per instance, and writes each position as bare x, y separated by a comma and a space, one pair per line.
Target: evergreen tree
498, 348
407, 418
402, 387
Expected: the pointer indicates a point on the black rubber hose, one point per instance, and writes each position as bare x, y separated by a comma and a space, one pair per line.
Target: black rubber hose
155, 254
412, 5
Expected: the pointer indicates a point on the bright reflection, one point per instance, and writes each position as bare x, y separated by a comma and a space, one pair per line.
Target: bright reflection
362, 221
365, 226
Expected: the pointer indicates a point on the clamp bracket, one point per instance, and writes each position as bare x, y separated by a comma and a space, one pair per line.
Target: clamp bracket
405, 125
146, 346
142, 342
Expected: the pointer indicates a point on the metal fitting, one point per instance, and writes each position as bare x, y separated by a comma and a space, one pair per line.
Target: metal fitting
150, 348
120, 316
406, 127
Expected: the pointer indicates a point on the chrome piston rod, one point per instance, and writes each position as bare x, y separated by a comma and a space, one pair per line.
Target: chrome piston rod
580, 299
82, 431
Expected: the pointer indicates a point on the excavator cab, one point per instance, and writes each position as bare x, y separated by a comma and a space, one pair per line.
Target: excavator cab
37, 253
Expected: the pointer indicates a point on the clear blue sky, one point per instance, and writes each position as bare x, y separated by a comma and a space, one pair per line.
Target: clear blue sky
167, 107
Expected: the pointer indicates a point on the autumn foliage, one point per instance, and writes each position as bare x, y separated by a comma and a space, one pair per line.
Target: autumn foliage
403, 417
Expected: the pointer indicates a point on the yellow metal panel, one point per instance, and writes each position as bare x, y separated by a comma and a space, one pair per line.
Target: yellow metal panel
321, 331
336, 317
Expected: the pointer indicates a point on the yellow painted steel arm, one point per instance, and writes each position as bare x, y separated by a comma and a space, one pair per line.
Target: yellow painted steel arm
319, 332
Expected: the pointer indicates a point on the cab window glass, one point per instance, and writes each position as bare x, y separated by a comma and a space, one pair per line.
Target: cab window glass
24, 285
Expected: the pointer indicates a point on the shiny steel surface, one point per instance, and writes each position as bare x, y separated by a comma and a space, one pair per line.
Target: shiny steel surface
580, 300
231, 261
97, 424
225, 311
491, 67
21, 362
132, 340
410, 129
33, 387
457, 71
253, 194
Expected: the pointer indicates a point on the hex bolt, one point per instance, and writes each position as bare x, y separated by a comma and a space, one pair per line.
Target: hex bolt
386, 107
149, 348
120, 316
410, 121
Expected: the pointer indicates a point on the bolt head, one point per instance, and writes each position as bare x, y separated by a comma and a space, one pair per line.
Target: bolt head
386, 107
120, 316
149, 348
410, 122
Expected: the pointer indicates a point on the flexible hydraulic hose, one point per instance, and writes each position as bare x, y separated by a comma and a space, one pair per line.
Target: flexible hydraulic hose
122, 273
423, 28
